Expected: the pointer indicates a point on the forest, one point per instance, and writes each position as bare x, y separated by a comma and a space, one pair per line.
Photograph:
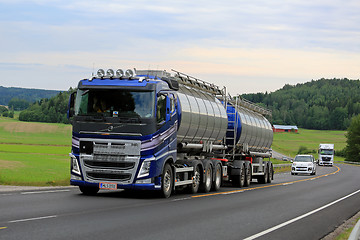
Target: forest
23, 96
53, 110
324, 104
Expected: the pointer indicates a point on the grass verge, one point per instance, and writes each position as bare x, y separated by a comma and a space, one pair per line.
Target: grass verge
34, 154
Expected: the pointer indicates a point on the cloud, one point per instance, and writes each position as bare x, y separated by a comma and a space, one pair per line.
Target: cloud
269, 42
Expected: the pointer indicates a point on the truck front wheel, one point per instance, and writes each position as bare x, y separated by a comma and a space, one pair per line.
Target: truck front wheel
167, 181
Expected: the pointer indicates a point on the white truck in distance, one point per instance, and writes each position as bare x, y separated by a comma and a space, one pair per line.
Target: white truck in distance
326, 154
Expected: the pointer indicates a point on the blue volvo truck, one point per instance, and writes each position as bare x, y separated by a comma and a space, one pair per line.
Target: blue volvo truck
156, 130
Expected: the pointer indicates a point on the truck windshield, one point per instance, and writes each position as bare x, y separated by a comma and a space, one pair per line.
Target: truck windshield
302, 159
326, 152
115, 103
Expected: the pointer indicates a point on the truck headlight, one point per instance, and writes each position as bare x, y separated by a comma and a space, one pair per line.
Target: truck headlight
145, 168
74, 165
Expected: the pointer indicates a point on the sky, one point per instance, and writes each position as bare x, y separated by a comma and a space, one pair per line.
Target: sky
248, 46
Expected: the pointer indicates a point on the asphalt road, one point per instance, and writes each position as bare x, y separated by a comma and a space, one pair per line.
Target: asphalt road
291, 207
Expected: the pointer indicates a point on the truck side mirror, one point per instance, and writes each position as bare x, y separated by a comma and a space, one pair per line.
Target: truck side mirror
71, 104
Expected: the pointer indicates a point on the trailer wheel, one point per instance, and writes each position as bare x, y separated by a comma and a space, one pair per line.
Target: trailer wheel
270, 172
167, 181
239, 180
264, 178
89, 191
247, 175
206, 184
194, 187
218, 177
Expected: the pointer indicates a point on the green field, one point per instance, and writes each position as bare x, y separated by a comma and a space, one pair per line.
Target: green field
37, 154
34, 154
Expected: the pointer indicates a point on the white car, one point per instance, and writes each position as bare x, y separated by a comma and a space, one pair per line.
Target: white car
303, 164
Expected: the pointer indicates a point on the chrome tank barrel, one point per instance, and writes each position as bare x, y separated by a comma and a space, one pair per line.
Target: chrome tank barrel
202, 117
253, 131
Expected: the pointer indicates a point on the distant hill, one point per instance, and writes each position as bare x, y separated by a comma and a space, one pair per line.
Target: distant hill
324, 104
30, 95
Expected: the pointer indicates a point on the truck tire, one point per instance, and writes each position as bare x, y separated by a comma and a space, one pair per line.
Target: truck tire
217, 177
263, 179
239, 180
167, 181
194, 187
206, 184
247, 174
89, 191
270, 172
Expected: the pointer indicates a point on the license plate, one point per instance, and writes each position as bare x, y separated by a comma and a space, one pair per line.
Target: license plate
110, 186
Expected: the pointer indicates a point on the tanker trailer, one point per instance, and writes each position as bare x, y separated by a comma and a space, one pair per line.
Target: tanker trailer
150, 130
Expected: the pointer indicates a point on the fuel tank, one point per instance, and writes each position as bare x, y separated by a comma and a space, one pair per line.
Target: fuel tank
252, 130
202, 117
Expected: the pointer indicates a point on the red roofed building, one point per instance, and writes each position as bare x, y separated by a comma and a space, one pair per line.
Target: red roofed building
285, 128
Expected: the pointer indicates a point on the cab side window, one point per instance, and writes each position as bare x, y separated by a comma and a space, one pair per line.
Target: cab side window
172, 103
161, 108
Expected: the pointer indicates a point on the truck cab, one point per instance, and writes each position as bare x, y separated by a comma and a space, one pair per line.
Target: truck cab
326, 155
124, 130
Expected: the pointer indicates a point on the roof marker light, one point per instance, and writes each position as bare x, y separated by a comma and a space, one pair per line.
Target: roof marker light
130, 73
119, 73
100, 73
110, 73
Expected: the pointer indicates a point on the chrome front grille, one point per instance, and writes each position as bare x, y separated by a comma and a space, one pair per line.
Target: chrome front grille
111, 160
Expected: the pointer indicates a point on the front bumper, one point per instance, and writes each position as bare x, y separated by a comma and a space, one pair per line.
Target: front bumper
137, 186
306, 170
325, 163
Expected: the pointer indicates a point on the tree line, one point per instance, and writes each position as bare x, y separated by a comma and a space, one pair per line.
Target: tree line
24, 94
5, 112
53, 110
325, 104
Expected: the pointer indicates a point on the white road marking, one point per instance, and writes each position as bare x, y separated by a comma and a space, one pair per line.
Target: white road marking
6, 194
50, 191
32, 219
300, 217
180, 199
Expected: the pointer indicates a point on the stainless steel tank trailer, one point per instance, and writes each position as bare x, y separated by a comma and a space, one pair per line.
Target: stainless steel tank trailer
152, 130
